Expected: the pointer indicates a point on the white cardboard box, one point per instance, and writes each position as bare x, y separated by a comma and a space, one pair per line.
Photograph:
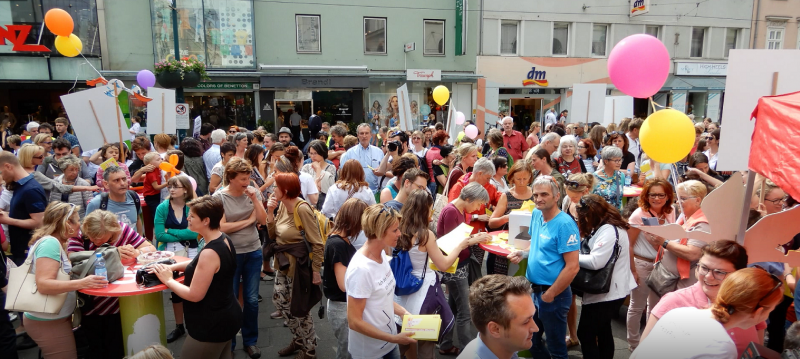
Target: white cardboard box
518, 223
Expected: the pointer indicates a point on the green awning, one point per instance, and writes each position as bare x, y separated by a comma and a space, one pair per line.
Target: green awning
694, 83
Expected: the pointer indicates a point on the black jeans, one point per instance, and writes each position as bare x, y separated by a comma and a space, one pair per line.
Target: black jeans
8, 338
776, 327
594, 329
105, 336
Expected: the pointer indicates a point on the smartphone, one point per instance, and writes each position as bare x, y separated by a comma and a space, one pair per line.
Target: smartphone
650, 221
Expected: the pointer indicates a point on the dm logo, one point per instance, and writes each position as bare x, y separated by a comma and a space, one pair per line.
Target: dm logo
538, 78
638, 5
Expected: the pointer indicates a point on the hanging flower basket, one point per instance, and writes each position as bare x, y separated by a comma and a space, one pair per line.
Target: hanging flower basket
191, 79
169, 79
188, 72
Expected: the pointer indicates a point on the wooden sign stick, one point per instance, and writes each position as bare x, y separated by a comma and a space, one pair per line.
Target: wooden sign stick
162, 112
119, 126
613, 110
98, 122
588, 105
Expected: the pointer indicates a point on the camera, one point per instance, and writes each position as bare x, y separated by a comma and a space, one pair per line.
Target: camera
394, 145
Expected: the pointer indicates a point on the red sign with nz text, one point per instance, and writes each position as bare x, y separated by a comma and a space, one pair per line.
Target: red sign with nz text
16, 35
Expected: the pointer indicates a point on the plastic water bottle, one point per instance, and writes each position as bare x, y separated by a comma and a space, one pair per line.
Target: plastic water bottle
627, 181
100, 266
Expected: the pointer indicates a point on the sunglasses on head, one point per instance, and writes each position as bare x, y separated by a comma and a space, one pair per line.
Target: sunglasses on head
574, 185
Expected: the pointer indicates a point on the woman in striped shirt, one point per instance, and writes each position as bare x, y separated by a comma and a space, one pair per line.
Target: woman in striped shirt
101, 318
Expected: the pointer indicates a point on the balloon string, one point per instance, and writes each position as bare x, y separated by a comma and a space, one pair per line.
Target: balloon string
90, 64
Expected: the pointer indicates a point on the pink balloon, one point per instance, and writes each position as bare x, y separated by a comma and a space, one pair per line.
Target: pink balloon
460, 118
471, 131
639, 65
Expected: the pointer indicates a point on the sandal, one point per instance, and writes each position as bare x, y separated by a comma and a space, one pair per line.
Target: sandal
453, 351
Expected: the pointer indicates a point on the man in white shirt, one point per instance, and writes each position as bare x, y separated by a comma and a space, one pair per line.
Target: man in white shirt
294, 121
212, 156
550, 118
634, 146
369, 156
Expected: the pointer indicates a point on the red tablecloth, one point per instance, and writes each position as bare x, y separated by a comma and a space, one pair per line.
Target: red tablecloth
126, 286
632, 191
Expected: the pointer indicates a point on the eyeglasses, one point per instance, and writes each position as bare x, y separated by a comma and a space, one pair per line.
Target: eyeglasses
581, 146
395, 133
231, 131
39, 157
175, 187
614, 133
778, 284
48, 143
716, 273
573, 185
618, 160
419, 186
551, 178
583, 205
416, 138
657, 195
684, 199
389, 211
776, 201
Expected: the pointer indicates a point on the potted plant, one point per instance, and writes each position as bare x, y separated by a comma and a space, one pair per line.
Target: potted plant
193, 72
169, 73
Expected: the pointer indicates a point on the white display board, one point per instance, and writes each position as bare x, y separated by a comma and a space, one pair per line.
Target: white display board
617, 108
96, 117
404, 105
588, 103
161, 111
750, 74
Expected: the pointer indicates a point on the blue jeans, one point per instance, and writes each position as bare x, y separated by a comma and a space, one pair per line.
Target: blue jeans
394, 354
551, 318
248, 269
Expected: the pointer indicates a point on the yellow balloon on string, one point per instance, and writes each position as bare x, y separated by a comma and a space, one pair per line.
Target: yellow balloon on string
69, 46
667, 136
441, 94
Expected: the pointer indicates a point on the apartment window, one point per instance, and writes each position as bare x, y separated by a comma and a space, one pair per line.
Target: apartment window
560, 38
307, 29
375, 35
508, 37
775, 38
599, 33
731, 40
652, 30
698, 40
434, 38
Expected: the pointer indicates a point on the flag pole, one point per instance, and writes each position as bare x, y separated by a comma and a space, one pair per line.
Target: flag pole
751, 178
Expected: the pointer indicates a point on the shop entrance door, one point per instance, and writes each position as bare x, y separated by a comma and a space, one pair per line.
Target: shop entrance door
525, 111
284, 110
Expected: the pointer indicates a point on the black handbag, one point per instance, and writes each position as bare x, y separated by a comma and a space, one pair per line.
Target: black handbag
147, 280
596, 281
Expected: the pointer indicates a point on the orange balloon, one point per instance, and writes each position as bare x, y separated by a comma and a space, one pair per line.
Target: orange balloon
59, 22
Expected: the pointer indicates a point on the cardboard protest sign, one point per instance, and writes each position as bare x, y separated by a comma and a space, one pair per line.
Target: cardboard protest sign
748, 79
161, 115
617, 108
588, 103
95, 116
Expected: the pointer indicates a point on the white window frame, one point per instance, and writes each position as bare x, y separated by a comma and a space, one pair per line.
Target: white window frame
385, 30
706, 34
782, 30
553, 38
518, 43
798, 37
736, 43
658, 30
425, 38
297, 34
591, 40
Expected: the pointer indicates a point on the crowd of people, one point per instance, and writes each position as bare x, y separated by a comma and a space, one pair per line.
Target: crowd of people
327, 217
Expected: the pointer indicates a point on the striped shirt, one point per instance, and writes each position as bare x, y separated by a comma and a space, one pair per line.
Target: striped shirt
106, 305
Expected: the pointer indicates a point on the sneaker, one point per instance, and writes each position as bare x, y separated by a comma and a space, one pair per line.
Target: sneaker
260, 299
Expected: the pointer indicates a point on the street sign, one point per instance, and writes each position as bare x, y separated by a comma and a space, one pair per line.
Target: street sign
182, 116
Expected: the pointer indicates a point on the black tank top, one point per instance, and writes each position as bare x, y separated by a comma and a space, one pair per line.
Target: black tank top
217, 317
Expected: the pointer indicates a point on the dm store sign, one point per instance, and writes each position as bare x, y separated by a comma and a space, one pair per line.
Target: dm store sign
538, 78
639, 7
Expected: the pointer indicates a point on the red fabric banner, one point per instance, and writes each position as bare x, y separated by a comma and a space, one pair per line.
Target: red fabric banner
775, 152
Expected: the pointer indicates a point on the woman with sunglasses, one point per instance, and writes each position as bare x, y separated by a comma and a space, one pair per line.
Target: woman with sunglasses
30, 156
713, 149
655, 204
700, 168
369, 284
53, 332
743, 296
620, 140
604, 230
610, 180
587, 154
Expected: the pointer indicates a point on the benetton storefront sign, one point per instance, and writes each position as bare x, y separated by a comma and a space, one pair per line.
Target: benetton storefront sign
542, 72
226, 86
16, 34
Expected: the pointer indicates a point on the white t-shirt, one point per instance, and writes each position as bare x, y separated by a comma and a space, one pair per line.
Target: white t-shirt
373, 281
295, 119
134, 130
687, 333
307, 185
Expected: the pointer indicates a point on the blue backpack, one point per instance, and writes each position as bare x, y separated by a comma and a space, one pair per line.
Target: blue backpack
405, 282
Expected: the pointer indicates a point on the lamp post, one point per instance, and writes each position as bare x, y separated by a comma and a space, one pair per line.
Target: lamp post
178, 91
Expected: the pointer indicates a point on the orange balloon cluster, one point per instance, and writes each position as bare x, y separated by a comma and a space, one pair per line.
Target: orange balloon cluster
60, 23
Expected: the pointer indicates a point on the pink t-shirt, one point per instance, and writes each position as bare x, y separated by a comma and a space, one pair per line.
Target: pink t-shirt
695, 297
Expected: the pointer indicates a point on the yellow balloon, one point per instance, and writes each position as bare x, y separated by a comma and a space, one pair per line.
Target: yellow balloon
441, 94
69, 46
667, 136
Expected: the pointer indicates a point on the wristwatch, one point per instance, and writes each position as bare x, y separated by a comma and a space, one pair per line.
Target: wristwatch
665, 244
474, 217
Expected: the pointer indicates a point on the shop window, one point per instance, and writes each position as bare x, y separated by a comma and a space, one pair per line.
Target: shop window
218, 33
731, 40
652, 30
775, 38
434, 38
382, 107
599, 35
31, 12
560, 38
307, 28
223, 109
375, 35
698, 41
508, 37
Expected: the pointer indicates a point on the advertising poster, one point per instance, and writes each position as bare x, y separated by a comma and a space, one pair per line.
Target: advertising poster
384, 110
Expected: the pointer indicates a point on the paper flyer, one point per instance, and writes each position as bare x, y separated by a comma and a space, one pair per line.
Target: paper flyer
424, 327
110, 162
450, 241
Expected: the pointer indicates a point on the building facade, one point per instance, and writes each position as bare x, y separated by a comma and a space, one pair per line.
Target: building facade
533, 52
776, 24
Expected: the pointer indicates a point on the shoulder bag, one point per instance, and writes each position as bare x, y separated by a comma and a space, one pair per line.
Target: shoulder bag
441, 202
83, 262
661, 280
307, 294
596, 281
405, 282
23, 295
